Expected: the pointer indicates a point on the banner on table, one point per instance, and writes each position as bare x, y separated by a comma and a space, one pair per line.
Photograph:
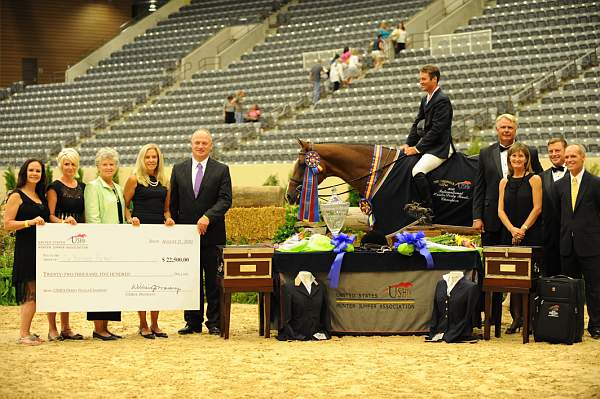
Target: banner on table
384, 302
102, 267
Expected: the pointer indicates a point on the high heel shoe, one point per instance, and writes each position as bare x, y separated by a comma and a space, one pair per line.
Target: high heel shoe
514, 327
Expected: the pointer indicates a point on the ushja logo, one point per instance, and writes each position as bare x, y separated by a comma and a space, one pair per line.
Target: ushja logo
78, 238
399, 290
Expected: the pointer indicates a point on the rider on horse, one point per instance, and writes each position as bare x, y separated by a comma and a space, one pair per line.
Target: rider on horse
430, 135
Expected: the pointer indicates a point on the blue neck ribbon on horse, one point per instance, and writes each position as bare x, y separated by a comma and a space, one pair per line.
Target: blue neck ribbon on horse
309, 197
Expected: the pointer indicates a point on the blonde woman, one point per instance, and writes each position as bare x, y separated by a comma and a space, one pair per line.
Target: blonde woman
65, 201
25, 208
104, 203
147, 190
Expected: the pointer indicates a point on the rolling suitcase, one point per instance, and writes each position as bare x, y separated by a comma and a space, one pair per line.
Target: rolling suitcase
559, 310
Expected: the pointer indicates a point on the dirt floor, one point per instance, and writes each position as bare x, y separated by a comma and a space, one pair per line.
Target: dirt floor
248, 366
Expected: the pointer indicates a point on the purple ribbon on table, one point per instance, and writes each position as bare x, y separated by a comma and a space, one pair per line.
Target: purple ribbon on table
341, 242
418, 241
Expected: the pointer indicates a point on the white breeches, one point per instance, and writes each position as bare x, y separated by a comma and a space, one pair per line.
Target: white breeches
426, 164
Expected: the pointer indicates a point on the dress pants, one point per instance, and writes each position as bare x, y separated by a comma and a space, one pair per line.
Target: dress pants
588, 267
208, 276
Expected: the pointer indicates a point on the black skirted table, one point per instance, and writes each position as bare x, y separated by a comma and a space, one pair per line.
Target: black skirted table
378, 293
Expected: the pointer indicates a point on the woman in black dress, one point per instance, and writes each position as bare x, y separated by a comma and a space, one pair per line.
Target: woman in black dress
147, 189
26, 207
65, 202
519, 206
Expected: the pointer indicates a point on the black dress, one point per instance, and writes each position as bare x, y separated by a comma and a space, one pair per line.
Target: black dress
24, 260
518, 203
69, 201
149, 202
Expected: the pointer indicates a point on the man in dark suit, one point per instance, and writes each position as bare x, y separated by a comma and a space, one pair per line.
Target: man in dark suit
556, 154
578, 198
493, 166
200, 195
430, 135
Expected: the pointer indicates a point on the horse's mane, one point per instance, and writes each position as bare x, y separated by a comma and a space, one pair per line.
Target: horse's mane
354, 145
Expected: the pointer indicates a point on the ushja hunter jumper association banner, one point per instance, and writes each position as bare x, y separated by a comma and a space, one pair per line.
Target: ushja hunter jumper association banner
103, 267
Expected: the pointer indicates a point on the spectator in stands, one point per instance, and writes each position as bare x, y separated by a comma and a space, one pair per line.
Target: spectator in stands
384, 30
430, 135
398, 38
65, 202
26, 207
314, 77
354, 68
240, 98
147, 190
229, 109
253, 114
104, 203
519, 207
345, 55
336, 73
378, 52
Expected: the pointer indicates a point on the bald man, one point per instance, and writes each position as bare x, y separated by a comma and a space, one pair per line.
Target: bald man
577, 197
201, 194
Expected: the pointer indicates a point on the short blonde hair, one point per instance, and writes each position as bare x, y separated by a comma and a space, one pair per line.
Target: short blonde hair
140, 171
510, 117
107, 153
67, 154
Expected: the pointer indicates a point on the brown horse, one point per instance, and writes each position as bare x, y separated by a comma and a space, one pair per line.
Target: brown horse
349, 162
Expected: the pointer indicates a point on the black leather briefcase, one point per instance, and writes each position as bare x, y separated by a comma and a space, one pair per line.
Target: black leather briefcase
559, 310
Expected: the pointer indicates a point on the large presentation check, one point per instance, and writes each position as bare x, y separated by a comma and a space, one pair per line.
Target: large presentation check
102, 267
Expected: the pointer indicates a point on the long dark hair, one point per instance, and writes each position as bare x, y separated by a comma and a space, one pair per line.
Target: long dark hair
40, 187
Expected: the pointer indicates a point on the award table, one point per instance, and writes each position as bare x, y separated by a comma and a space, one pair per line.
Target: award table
378, 293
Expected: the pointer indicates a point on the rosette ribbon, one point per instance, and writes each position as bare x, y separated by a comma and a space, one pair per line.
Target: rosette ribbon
341, 242
309, 197
404, 242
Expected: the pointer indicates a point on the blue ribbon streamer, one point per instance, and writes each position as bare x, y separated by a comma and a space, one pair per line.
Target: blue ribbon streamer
309, 197
418, 241
341, 242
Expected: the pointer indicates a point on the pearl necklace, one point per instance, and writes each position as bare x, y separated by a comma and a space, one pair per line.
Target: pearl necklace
151, 182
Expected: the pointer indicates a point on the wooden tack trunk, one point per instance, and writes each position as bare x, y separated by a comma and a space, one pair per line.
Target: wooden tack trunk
511, 266
246, 265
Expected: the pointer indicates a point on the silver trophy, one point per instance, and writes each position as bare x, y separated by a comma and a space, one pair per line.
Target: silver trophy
334, 212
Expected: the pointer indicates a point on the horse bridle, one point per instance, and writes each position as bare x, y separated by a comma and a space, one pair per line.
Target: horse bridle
299, 182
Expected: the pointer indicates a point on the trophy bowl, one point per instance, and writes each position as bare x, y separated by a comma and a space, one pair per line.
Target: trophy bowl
334, 212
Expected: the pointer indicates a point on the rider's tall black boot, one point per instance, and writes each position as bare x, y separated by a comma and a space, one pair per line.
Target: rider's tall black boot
424, 190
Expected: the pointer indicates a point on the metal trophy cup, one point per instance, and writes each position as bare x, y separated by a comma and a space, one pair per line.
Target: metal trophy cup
334, 212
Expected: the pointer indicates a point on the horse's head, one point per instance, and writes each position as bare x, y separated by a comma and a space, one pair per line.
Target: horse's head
295, 185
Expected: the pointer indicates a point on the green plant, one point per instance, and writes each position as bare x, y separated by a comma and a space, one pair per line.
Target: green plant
287, 228
474, 146
10, 179
271, 180
353, 197
593, 168
79, 175
244, 297
7, 291
49, 173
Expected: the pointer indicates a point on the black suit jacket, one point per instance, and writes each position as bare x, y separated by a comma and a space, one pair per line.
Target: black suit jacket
579, 229
435, 136
549, 208
485, 193
304, 314
213, 200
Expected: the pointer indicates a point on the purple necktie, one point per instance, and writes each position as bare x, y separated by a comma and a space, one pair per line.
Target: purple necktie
199, 176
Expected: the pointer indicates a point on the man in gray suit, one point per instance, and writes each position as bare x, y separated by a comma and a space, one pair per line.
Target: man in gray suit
201, 194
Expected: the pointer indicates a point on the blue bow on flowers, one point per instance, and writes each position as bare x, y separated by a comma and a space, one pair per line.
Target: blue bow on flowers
341, 242
406, 243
